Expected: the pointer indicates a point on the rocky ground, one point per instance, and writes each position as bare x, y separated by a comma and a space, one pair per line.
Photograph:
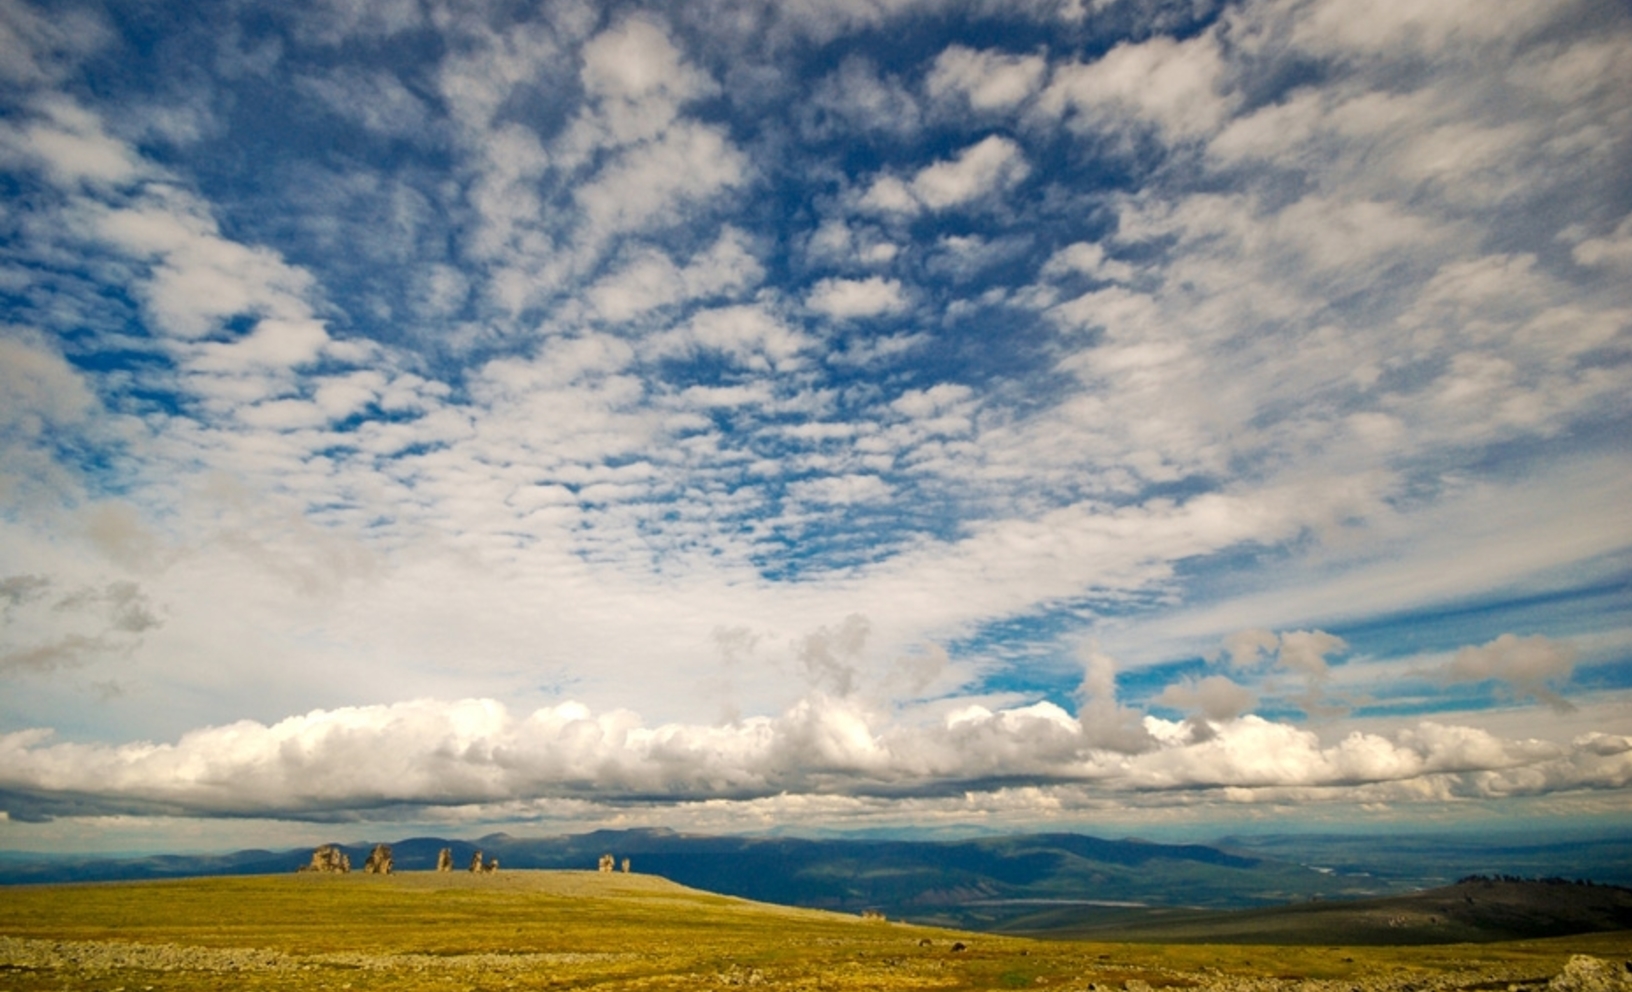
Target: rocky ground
92, 964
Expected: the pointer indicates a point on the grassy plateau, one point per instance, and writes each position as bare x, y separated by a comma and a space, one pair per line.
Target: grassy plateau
586, 930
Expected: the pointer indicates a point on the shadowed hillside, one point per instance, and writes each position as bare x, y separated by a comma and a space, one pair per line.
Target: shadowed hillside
1473, 910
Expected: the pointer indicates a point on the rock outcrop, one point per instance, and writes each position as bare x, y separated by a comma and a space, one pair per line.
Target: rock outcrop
329, 859
476, 861
444, 859
607, 863
379, 860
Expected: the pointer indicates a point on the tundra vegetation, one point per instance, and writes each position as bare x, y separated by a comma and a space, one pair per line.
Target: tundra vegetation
613, 931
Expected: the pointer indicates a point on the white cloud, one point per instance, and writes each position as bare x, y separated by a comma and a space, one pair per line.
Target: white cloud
628, 161
340, 396
377, 100
1247, 647
750, 335
653, 182
1305, 651
48, 627
649, 279
200, 278
477, 78
988, 80
1527, 664
282, 414
842, 490
922, 404
1388, 27
1088, 259
992, 165
1106, 723
856, 95
1215, 697
70, 145
640, 79
42, 47
335, 21
840, 244
273, 344
44, 393
1176, 87
849, 299
1614, 250
1302, 653
888, 194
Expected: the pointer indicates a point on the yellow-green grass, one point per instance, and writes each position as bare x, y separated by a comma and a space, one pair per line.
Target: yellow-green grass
527, 929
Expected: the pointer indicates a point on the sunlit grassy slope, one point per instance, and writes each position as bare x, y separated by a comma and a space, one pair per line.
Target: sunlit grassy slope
587, 930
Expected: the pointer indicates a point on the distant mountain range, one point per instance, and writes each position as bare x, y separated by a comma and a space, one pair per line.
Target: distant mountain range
1057, 883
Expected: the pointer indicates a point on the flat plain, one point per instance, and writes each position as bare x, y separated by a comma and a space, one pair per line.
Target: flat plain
586, 930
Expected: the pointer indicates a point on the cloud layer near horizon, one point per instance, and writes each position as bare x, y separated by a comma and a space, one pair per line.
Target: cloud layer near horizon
817, 395
474, 754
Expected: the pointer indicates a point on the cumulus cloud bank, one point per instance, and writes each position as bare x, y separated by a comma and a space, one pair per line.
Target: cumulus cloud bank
349, 762
371, 761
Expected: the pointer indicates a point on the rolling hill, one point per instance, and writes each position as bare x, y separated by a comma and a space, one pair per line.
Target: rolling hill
971, 883
1058, 883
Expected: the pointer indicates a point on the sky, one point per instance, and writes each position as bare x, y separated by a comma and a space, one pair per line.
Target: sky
1121, 416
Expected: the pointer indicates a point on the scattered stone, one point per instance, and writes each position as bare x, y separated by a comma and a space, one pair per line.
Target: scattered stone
91, 957
379, 860
741, 976
444, 859
1585, 973
328, 858
960, 946
491, 867
872, 916
738, 975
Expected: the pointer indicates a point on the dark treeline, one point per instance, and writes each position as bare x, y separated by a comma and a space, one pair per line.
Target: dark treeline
1551, 880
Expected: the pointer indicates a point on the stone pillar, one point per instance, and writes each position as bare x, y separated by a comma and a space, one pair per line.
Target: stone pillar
379, 860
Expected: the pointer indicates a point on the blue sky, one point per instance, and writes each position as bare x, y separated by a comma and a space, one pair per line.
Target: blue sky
1110, 414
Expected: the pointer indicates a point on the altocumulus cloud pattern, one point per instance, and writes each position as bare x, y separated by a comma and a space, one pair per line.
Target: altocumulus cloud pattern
816, 414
